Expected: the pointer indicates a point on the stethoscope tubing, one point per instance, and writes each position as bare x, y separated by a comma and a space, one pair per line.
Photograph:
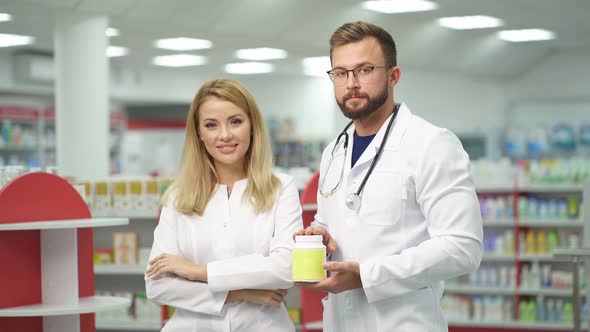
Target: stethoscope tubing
344, 135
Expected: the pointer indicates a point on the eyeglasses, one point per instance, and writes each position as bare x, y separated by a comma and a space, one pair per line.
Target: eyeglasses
363, 74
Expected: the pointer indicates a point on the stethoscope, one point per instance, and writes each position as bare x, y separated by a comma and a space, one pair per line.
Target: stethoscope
354, 200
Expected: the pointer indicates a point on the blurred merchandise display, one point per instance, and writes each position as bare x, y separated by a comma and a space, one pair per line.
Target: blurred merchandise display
519, 283
28, 137
572, 170
290, 150
124, 195
297, 153
545, 171
19, 136
141, 313
9, 173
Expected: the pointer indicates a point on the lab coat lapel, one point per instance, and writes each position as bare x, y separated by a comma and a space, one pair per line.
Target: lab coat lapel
399, 128
393, 142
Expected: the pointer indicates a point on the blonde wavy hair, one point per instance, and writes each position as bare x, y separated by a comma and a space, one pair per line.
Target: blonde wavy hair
197, 178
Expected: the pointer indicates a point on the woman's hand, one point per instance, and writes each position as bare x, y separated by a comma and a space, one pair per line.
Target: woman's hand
258, 296
167, 263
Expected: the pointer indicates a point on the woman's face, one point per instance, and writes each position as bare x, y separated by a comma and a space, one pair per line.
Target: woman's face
225, 130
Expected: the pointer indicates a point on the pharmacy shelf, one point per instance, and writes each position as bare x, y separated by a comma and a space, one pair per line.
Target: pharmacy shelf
15, 149
64, 224
497, 257
494, 188
310, 207
485, 290
112, 269
317, 325
477, 290
127, 326
86, 305
569, 223
552, 188
546, 292
538, 326
143, 214
541, 258
491, 257
489, 223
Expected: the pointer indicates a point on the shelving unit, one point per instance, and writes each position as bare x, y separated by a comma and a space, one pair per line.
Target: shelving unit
124, 278
85, 305
19, 135
112, 269
127, 326
470, 325
117, 127
49, 251
516, 291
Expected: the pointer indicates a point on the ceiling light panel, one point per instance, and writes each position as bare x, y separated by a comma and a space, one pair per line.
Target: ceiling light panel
112, 32
399, 6
470, 22
179, 60
5, 17
8, 40
246, 68
183, 44
261, 54
117, 51
526, 35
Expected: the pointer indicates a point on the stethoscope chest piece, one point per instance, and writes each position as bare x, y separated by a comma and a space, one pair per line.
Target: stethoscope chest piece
353, 201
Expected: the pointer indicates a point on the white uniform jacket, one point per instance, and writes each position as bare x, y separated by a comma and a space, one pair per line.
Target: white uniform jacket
242, 250
419, 224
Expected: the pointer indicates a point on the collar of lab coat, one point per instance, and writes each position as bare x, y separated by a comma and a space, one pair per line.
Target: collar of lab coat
393, 142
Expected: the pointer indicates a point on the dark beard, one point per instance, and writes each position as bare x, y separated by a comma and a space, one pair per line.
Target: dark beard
372, 105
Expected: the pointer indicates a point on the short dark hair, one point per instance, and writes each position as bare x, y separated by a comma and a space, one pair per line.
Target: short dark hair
357, 31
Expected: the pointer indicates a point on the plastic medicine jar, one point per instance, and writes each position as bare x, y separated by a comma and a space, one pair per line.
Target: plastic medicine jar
309, 255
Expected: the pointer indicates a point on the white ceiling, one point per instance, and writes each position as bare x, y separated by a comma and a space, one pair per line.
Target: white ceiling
303, 27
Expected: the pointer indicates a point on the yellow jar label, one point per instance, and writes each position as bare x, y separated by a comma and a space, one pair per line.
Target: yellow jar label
308, 264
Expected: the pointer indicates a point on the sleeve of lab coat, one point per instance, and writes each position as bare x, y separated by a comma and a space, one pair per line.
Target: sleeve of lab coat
175, 291
264, 272
446, 195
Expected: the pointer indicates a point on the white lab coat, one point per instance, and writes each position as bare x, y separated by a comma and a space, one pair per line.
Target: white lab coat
242, 250
418, 225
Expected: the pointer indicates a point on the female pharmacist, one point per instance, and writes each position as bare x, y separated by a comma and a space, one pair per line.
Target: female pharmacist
222, 250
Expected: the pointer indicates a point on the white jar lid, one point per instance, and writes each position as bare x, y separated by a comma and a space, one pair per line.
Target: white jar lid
308, 238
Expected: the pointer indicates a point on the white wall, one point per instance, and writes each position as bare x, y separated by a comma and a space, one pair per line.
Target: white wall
563, 75
308, 101
462, 104
555, 92
459, 103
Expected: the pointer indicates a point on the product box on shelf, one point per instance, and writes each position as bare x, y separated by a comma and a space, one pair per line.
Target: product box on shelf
103, 256
125, 248
118, 195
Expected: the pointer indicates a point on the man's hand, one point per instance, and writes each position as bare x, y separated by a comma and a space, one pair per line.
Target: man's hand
345, 276
167, 263
327, 239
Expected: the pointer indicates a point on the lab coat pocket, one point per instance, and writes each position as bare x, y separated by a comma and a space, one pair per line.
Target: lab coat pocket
382, 198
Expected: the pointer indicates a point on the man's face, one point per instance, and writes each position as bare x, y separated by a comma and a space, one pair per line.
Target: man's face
358, 100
